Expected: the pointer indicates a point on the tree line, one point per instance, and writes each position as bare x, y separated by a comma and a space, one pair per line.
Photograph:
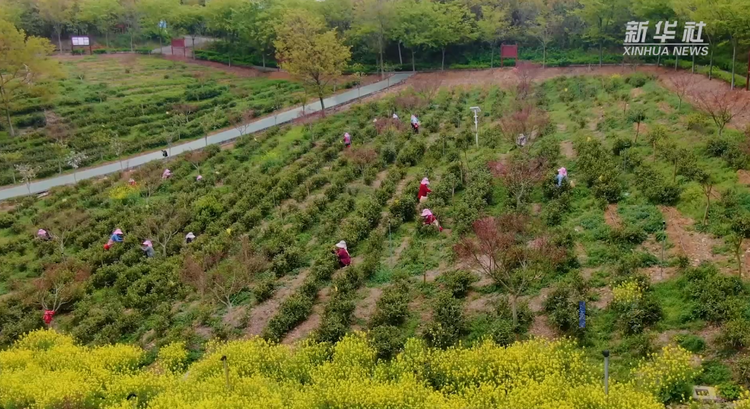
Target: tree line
377, 29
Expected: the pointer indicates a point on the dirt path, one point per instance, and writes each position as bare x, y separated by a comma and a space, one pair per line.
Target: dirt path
541, 328
262, 313
696, 246
365, 308
611, 217
506, 77
566, 147
312, 322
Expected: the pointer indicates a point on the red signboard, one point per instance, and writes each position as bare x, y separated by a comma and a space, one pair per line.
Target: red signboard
178, 43
508, 51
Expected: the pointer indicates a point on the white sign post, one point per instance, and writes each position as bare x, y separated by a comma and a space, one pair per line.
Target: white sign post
476, 124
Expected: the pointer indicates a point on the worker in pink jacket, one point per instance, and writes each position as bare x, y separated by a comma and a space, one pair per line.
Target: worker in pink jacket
343, 254
430, 218
423, 190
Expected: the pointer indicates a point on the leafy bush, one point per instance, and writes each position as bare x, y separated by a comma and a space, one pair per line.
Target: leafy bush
263, 290
561, 306
692, 343
448, 321
6, 220
393, 306
636, 306
387, 340
712, 296
458, 282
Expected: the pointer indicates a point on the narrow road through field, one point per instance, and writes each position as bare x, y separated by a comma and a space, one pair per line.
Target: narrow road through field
221, 137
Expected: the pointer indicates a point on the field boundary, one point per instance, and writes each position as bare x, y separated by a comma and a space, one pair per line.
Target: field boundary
222, 137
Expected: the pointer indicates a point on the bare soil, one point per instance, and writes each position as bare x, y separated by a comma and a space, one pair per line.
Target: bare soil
743, 177
696, 246
365, 308
541, 328
605, 297
611, 217
536, 302
566, 147
312, 322
262, 313
658, 274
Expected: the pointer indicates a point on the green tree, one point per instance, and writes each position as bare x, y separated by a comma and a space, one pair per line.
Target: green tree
493, 27
453, 25
307, 50
545, 28
154, 11
190, 19
602, 18
11, 158
413, 25
103, 15
372, 22
221, 17
24, 64
56, 13
131, 18
256, 26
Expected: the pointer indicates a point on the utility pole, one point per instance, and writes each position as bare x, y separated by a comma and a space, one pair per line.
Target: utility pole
476, 124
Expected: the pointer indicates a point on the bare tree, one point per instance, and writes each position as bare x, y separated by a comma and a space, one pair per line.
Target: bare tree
164, 224
528, 121
60, 284
721, 105
74, 161
707, 185
250, 259
64, 224
196, 266
241, 121
520, 175
117, 147
361, 157
683, 85
28, 173
210, 122
526, 73
506, 251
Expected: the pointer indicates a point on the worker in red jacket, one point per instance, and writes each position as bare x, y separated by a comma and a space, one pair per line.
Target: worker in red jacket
423, 190
343, 254
430, 218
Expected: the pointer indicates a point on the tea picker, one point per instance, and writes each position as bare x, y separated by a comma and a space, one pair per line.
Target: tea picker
423, 190
189, 237
48, 314
414, 123
148, 248
116, 237
562, 173
347, 140
43, 234
430, 218
343, 254
167, 174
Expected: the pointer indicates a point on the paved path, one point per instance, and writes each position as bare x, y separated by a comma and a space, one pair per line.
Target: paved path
221, 137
